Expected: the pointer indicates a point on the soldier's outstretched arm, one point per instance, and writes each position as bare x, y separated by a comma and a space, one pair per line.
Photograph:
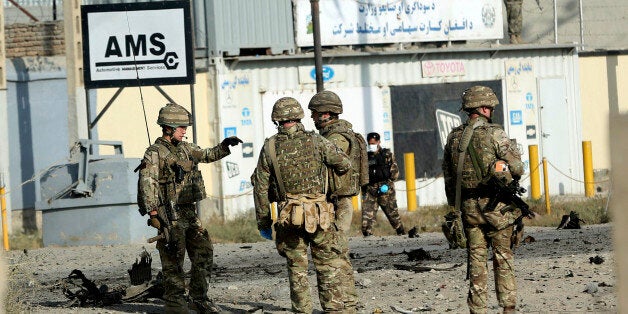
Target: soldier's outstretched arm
333, 156
448, 174
210, 154
261, 183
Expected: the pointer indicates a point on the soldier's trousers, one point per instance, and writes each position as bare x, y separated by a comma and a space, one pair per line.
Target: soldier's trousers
479, 238
186, 234
515, 19
371, 201
344, 213
336, 290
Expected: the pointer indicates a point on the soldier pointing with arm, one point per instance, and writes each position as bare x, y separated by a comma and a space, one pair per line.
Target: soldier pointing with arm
169, 186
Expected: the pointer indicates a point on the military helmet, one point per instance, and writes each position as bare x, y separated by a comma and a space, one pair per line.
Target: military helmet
285, 109
326, 101
478, 96
174, 115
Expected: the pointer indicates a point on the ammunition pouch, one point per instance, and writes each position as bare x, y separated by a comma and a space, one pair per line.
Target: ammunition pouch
454, 230
306, 210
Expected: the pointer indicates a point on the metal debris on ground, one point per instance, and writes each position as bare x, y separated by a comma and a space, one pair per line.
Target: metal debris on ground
597, 260
84, 292
414, 232
140, 272
529, 239
571, 221
420, 269
418, 255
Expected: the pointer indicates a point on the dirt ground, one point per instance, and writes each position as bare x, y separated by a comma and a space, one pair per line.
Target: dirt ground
554, 274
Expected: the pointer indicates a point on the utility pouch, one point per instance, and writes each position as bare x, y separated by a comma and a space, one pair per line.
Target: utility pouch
307, 210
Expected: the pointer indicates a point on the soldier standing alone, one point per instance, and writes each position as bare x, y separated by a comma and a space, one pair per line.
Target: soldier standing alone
475, 151
292, 171
383, 171
169, 186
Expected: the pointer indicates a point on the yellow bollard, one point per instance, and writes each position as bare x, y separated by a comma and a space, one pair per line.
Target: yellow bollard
273, 211
408, 159
535, 177
589, 185
3, 207
548, 209
354, 201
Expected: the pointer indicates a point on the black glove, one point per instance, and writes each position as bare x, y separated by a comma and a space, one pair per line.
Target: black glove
230, 141
154, 222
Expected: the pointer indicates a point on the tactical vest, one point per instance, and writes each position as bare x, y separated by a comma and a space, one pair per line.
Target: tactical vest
179, 177
379, 169
473, 174
299, 159
349, 183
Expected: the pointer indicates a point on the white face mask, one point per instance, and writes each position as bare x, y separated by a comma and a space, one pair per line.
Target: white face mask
372, 148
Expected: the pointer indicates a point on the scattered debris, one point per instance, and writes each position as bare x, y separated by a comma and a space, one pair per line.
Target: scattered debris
246, 247
84, 292
140, 272
364, 282
418, 255
569, 273
571, 221
597, 260
529, 239
414, 232
604, 284
420, 269
401, 310
140, 293
273, 271
354, 255
591, 288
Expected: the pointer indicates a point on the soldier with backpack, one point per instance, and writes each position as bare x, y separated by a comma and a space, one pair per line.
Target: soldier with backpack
326, 107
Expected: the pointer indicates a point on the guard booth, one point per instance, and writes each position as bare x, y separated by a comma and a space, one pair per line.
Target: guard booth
93, 201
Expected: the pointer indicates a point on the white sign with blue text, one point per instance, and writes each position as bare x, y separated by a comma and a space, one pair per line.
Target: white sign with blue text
345, 22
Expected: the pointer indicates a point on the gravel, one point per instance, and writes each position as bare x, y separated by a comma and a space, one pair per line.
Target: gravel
554, 274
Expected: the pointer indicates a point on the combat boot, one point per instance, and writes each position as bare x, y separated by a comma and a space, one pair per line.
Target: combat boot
401, 230
509, 310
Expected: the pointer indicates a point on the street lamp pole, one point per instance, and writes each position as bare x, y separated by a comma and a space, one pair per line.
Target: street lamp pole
318, 56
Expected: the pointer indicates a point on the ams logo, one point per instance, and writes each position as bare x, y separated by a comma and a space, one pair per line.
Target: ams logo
141, 45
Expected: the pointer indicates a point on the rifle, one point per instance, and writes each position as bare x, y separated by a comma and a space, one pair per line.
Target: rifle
510, 195
167, 215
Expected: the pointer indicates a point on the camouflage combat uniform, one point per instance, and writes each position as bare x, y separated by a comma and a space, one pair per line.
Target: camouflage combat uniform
158, 185
337, 131
515, 20
301, 156
484, 229
372, 198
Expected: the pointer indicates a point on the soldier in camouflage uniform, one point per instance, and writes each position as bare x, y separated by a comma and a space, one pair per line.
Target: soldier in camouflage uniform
487, 148
170, 183
515, 20
291, 171
326, 107
383, 171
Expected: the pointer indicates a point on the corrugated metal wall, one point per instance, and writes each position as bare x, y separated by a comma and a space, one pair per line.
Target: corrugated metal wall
233, 25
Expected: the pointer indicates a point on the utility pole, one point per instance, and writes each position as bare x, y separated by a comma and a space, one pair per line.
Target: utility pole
77, 111
318, 54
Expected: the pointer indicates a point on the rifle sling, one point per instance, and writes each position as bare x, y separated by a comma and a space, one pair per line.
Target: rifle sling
467, 135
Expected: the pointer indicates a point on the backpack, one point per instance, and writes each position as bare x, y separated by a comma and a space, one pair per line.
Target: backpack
359, 157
